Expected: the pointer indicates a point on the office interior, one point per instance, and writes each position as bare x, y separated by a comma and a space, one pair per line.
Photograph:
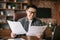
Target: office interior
15, 9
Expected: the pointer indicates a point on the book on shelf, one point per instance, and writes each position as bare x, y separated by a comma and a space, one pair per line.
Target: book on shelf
9, 12
18, 6
2, 5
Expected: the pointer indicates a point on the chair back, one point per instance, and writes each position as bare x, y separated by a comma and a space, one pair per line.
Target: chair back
57, 33
17, 16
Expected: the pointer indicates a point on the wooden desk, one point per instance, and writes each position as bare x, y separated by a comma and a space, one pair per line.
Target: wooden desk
6, 34
26, 38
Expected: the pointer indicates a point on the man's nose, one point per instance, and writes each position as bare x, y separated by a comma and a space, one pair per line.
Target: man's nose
32, 13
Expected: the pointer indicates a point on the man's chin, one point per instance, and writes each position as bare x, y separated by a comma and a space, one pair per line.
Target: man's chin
31, 18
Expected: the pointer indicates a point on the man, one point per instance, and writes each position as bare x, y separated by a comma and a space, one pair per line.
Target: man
30, 19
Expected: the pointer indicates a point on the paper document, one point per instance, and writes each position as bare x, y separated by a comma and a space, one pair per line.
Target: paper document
16, 27
33, 30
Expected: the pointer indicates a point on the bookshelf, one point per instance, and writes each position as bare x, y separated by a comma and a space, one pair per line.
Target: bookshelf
8, 7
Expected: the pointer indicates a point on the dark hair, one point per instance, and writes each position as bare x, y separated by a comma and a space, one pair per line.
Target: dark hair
32, 6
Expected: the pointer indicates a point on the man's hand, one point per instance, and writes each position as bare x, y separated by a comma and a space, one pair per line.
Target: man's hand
39, 36
13, 35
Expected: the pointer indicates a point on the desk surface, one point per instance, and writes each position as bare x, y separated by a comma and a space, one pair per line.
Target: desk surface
28, 38
6, 34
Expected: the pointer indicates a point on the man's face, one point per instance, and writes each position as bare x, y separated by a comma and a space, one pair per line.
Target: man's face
31, 13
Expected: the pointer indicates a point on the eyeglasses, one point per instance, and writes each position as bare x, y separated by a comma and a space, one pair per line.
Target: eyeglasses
32, 12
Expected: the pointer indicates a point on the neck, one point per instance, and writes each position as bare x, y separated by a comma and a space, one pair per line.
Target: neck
29, 18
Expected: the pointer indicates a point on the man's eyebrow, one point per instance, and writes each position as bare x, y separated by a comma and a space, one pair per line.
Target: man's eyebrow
30, 11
